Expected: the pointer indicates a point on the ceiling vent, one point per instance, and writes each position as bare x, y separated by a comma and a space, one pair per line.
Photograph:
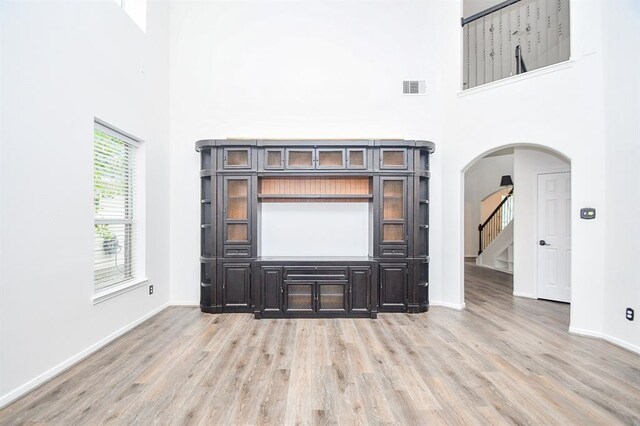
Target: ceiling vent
413, 87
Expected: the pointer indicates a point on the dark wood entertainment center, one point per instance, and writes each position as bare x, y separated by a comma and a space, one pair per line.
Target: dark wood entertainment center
392, 176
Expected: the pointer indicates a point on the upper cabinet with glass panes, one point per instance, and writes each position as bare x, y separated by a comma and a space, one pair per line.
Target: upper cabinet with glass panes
355, 156
329, 158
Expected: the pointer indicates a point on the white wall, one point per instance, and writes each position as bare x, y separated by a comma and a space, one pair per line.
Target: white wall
481, 180
561, 107
549, 107
62, 64
527, 164
339, 229
291, 69
622, 136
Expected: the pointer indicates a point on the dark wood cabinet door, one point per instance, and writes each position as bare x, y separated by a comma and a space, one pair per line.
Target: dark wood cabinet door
237, 158
237, 209
356, 159
331, 296
393, 285
393, 158
300, 158
236, 284
330, 158
360, 289
393, 210
299, 296
272, 290
274, 158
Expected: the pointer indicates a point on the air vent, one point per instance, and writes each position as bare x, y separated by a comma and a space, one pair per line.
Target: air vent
413, 87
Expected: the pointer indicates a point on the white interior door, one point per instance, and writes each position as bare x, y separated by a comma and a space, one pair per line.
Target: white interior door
554, 236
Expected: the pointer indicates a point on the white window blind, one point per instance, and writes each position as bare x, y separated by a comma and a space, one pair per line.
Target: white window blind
114, 183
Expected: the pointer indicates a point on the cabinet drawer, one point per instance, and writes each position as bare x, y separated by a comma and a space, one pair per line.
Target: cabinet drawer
315, 273
393, 251
237, 251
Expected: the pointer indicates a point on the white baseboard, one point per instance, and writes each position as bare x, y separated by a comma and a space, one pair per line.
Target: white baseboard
583, 332
526, 295
622, 344
494, 269
184, 303
603, 336
47, 375
456, 306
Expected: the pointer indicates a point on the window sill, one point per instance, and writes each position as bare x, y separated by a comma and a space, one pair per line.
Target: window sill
515, 78
111, 292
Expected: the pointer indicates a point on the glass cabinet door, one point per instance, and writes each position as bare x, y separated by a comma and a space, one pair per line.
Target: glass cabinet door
299, 297
393, 210
393, 158
300, 158
330, 158
236, 210
274, 158
332, 296
356, 158
237, 158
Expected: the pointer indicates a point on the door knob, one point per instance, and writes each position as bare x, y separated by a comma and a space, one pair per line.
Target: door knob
543, 243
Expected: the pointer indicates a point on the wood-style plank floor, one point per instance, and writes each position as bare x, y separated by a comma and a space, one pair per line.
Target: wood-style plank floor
504, 360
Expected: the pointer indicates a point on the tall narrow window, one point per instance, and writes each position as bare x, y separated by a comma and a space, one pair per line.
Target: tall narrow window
114, 193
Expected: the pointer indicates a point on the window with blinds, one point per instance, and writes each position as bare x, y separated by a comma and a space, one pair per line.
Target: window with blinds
114, 193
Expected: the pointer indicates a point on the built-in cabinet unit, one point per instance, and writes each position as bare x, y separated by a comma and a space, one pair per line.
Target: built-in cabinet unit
238, 176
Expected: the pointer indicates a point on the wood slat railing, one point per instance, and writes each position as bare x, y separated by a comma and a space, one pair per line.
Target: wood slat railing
496, 222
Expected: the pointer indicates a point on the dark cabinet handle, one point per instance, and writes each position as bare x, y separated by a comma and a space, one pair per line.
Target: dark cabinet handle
544, 243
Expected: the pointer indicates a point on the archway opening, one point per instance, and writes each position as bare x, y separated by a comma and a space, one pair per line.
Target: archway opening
522, 229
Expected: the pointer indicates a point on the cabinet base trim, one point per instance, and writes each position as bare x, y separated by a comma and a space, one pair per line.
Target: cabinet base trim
211, 309
315, 315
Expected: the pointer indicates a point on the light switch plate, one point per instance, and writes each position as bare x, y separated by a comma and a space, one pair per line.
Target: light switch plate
587, 213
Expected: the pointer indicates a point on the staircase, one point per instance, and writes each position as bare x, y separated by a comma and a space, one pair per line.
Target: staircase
495, 248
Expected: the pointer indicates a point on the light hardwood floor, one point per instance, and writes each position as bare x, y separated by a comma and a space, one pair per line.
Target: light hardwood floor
504, 360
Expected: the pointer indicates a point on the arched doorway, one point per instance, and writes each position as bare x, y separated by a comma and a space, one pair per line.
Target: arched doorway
536, 246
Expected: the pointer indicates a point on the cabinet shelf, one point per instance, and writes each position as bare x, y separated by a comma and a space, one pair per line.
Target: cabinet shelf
317, 196
205, 201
